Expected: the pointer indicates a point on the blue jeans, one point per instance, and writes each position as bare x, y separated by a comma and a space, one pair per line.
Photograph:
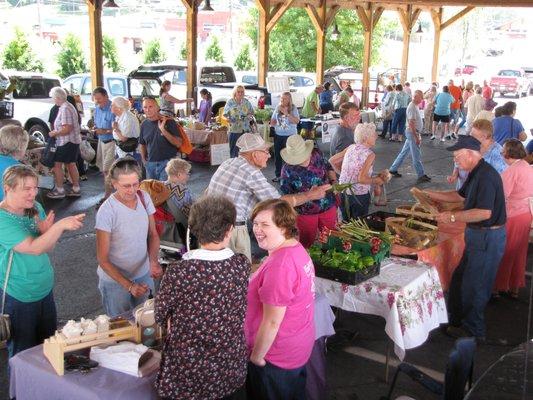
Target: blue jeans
156, 170
387, 125
357, 205
116, 300
409, 146
233, 149
279, 143
274, 383
473, 279
398, 121
31, 323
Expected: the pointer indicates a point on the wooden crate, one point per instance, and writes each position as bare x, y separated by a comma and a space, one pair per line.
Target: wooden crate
56, 346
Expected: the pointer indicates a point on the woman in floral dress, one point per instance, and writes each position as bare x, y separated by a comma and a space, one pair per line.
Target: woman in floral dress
202, 301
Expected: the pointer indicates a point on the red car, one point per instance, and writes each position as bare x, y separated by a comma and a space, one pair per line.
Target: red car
466, 70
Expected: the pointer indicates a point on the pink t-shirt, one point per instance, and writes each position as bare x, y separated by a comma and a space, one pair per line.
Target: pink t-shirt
286, 278
518, 187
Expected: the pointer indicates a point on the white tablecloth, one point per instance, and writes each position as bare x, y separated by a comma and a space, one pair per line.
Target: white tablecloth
406, 293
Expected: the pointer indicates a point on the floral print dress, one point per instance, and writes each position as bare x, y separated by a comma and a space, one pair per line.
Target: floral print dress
203, 298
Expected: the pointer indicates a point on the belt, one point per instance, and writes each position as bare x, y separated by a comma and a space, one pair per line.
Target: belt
240, 223
485, 228
107, 141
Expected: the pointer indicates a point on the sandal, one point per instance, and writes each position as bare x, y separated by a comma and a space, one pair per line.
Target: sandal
73, 193
56, 194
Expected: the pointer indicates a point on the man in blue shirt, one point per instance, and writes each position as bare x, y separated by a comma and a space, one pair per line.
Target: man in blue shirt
485, 217
103, 129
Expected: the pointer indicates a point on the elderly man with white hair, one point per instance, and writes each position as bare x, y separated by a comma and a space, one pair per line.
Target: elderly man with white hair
355, 165
485, 216
66, 131
126, 128
13, 145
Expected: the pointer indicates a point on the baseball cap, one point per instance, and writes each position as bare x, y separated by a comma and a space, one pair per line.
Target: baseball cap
465, 142
252, 142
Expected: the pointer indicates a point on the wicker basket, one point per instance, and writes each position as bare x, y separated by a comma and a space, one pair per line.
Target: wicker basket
415, 210
413, 233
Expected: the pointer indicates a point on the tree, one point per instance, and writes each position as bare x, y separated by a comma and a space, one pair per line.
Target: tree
244, 61
153, 53
183, 51
292, 45
110, 54
70, 58
214, 51
19, 56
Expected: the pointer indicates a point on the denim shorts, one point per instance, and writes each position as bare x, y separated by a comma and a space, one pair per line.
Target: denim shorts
117, 300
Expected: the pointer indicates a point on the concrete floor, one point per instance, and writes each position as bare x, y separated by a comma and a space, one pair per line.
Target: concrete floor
355, 368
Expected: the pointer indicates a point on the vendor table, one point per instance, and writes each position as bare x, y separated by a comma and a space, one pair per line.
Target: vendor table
33, 378
407, 293
206, 137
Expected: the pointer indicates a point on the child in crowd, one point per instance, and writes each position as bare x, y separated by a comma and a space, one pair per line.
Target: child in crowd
178, 172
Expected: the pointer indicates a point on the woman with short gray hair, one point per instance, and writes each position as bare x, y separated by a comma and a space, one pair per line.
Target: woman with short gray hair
66, 131
127, 243
126, 128
13, 145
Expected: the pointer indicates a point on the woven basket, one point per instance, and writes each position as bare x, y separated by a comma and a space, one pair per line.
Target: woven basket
413, 233
415, 210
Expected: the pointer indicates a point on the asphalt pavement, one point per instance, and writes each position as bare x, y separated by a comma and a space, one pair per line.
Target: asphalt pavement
355, 366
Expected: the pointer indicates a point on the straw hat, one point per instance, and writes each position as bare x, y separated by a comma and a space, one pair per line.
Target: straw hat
250, 142
297, 150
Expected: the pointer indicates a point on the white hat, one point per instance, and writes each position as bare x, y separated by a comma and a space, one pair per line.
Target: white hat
251, 142
297, 150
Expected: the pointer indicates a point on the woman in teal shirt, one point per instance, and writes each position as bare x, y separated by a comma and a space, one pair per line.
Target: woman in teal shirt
26, 235
442, 112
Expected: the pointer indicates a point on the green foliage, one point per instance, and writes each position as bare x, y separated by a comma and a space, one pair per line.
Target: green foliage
214, 51
70, 58
110, 54
244, 61
292, 45
263, 114
18, 55
183, 51
153, 53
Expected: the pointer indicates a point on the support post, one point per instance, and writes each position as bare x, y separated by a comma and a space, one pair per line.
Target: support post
436, 16
408, 18
95, 42
192, 50
369, 17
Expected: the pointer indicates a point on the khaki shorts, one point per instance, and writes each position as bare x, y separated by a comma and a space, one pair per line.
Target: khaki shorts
105, 155
240, 241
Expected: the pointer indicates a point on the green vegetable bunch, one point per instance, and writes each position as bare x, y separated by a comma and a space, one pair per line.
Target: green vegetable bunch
347, 260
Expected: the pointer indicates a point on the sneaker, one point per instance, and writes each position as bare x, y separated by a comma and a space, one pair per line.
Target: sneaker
443, 140
423, 178
454, 136
433, 137
73, 193
83, 177
396, 174
56, 194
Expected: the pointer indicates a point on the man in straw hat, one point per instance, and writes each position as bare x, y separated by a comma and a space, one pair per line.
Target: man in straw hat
241, 180
305, 167
484, 215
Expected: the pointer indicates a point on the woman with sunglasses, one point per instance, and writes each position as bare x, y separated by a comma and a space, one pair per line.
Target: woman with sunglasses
127, 261
27, 234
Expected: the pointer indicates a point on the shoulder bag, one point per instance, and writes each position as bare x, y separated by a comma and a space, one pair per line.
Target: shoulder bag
5, 321
129, 145
49, 153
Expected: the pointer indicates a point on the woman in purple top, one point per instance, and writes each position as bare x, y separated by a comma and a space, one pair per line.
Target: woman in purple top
205, 113
304, 168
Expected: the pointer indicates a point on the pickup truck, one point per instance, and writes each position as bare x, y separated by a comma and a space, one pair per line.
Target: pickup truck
529, 75
218, 79
512, 81
341, 76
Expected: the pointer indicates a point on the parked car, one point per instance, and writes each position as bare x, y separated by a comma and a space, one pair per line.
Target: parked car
342, 76
218, 79
466, 69
512, 81
529, 75
31, 99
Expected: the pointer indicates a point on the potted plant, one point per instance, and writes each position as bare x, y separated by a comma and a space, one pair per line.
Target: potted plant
263, 116
6, 107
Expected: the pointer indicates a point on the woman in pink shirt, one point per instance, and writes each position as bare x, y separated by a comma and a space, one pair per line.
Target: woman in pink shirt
279, 325
518, 189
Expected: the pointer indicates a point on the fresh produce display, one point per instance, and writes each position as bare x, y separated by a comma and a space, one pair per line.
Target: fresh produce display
347, 260
358, 230
340, 187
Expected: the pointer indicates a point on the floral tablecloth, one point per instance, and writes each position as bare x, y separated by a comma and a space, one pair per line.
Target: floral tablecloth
407, 293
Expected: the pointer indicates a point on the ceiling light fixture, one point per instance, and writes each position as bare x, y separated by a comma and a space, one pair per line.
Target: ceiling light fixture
419, 30
110, 4
207, 6
335, 33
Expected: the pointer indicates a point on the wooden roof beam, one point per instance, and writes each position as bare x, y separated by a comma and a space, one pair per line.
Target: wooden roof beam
277, 13
456, 17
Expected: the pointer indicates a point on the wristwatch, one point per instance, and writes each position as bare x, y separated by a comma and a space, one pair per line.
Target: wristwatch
452, 217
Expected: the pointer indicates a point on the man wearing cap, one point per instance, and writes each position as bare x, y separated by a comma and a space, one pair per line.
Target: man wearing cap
484, 215
413, 140
240, 179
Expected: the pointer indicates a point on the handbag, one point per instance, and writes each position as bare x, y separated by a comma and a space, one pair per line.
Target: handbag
5, 320
49, 153
86, 151
129, 145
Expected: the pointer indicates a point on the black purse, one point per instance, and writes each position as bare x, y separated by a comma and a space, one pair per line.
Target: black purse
129, 145
49, 153
5, 320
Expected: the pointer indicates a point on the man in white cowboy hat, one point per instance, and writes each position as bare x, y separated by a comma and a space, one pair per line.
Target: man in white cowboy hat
240, 179
306, 168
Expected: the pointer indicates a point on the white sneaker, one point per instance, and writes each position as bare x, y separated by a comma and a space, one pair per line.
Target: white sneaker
432, 137
443, 140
